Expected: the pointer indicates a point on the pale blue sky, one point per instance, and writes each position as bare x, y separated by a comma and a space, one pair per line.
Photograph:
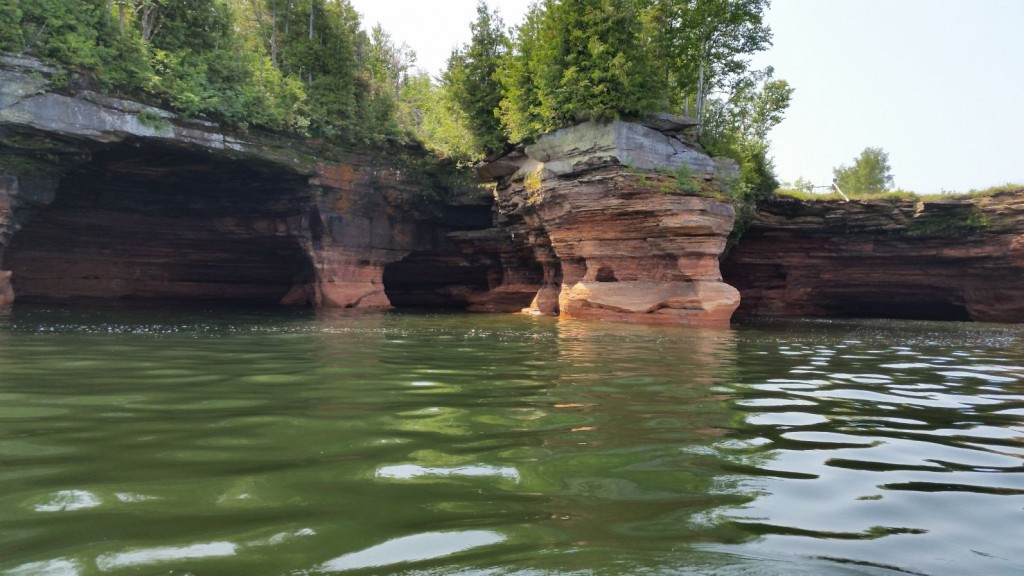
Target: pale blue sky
938, 84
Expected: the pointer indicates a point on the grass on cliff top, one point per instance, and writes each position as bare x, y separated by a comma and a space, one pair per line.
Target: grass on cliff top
681, 181
898, 195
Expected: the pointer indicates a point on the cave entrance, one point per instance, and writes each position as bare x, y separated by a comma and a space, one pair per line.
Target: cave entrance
434, 279
139, 222
916, 309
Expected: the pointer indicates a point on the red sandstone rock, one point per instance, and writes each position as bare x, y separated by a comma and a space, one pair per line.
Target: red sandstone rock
190, 211
344, 283
955, 259
615, 247
6, 292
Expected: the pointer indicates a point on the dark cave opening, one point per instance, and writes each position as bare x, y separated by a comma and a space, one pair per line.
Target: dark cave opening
164, 224
434, 279
896, 309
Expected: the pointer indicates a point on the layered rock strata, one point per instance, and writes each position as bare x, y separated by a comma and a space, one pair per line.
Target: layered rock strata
112, 199
954, 259
615, 238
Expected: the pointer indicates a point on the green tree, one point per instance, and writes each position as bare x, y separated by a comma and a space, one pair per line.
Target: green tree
78, 34
318, 45
199, 64
519, 109
802, 184
703, 46
428, 111
869, 174
471, 78
11, 35
578, 60
738, 127
385, 68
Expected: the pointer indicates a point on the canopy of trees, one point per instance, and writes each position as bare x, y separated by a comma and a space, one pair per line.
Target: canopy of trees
576, 60
307, 66
869, 174
297, 65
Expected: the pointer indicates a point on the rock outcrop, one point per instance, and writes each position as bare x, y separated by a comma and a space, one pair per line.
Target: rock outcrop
616, 240
6, 292
108, 198
954, 259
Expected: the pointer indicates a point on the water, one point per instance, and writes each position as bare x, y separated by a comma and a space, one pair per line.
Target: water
298, 443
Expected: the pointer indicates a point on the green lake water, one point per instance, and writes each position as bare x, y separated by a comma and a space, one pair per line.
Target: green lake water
303, 443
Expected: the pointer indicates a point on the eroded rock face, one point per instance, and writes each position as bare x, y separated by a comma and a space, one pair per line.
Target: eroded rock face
947, 260
6, 292
107, 198
613, 242
160, 223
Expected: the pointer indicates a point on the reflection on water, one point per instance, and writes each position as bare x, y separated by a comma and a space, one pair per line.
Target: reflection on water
414, 548
915, 462
108, 562
297, 443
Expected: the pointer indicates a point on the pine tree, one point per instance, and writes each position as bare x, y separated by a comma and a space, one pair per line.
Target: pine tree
579, 60
471, 78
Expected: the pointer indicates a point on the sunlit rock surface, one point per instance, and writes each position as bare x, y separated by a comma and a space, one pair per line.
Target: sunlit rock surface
592, 144
615, 239
953, 259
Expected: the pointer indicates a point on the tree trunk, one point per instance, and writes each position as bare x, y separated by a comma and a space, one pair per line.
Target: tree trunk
312, 11
150, 11
287, 16
700, 97
273, 36
120, 18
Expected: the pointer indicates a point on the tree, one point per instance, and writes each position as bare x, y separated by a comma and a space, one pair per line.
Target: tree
802, 184
738, 127
519, 109
471, 79
579, 60
869, 174
702, 45
428, 111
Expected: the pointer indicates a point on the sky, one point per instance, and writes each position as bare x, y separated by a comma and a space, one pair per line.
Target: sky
937, 84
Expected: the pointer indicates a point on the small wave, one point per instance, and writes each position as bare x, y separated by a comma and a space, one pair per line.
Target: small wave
146, 556
69, 501
413, 548
412, 471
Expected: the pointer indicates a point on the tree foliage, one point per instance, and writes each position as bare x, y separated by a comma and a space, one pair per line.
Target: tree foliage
308, 66
428, 110
471, 79
705, 45
295, 65
577, 60
869, 174
738, 127
518, 110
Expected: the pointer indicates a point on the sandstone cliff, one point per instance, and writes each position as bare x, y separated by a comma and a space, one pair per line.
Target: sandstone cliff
108, 198
954, 259
615, 238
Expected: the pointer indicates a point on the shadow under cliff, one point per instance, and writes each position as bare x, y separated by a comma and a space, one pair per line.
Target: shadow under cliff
155, 222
